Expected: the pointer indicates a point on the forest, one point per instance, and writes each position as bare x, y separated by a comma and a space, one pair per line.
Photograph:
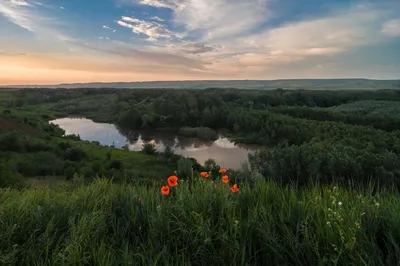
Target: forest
308, 136
316, 149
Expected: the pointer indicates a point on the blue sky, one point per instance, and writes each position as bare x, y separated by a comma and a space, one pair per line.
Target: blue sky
57, 41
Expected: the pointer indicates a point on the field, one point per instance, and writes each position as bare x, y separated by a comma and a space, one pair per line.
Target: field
322, 190
111, 224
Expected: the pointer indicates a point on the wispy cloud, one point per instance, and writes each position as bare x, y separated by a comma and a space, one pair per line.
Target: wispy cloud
153, 30
215, 19
18, 12
159, 3
391, 28
19, 2
157, 19
28, 15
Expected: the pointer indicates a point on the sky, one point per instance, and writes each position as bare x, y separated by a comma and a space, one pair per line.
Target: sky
72, 41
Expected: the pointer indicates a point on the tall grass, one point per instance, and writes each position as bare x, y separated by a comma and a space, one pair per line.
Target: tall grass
265, 224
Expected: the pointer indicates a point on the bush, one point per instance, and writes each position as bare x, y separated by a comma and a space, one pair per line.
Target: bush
115, 164
34, 146
69, 172
11, 142
40, 164
168, 152
199, 132
63, 145
73, 137
75, 154
149, 149
9, 178
185, 168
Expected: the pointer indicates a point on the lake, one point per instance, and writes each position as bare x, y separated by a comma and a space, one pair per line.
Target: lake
223, 151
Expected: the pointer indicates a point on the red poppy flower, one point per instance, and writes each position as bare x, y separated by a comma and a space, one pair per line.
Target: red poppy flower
235, 188
165, 190
172, 181
204, 174
225, 179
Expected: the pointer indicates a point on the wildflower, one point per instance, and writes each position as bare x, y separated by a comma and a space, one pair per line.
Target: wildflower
340, 203
225, 179
172, 181
215, 185
165, 190
328, 224
222, 171
204, 174
234, 189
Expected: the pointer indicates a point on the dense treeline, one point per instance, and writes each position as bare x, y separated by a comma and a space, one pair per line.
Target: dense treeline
308, 130
388, 123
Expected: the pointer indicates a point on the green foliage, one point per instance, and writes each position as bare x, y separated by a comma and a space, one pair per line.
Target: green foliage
74, 154
11, 142
149, 149
115, 164
199, 132
9, 178
185, 168
110, 224
73, 137
168, 152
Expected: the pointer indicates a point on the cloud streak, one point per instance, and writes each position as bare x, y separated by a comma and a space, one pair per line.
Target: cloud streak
153, 30
391, 28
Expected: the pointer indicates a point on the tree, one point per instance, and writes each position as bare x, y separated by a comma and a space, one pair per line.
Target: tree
7, 112
149, 148
74, 154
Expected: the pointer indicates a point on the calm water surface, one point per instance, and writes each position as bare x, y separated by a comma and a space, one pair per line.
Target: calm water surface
223, 151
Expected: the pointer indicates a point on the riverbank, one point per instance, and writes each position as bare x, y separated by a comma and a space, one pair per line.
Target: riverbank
222, 150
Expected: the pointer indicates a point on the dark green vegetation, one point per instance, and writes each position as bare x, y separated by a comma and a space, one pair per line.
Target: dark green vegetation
199, 132
111, 224
31, 147
312, 136
323, 191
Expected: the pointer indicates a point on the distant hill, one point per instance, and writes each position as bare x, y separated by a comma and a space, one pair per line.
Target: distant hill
291, 84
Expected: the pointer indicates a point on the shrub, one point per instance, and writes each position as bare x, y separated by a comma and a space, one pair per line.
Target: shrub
185, 169
115, 164
73, 137
199, 132
69, 172
168, 152
40, 164
149, 149
75, 154
11, 142
9, 178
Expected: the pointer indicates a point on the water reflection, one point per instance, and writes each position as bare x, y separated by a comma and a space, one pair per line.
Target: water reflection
223, 151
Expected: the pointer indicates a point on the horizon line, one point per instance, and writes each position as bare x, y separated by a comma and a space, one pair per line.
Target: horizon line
189, 80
